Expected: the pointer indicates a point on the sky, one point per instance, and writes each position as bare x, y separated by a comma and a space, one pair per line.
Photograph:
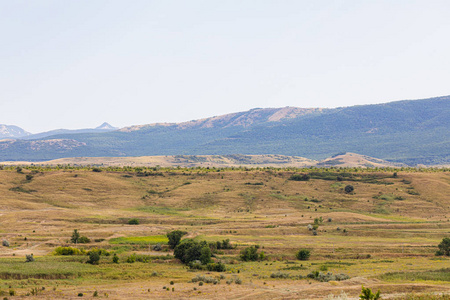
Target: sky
77, 64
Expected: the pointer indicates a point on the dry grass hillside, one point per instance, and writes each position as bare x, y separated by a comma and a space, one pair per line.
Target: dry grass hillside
383, 235
345, 160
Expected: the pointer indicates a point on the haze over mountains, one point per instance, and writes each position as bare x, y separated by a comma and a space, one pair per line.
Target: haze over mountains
411, 132
11, 131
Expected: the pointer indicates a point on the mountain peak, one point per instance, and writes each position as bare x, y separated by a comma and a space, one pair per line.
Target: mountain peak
11, 131
106, 126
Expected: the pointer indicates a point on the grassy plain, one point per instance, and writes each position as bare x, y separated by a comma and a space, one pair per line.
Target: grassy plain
383, 235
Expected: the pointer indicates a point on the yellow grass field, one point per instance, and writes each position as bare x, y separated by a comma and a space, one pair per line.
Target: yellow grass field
383, 235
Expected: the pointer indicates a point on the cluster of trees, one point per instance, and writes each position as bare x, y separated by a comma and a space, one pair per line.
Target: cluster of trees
78, 239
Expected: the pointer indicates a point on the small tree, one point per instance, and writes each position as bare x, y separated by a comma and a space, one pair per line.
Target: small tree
115, 258
175, 237
444, 247
75, 236
205, 255
349, 188
303, 254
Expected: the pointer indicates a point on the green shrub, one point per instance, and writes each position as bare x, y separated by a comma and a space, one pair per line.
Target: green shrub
202, 278
68, 251
131, 259
100, 251
29, 258
133, 221
326, 277
367, 294
323, 268
349, 189
217, 267
303, 254
249, 254
282, 275
84, 240
115, 259
94, 258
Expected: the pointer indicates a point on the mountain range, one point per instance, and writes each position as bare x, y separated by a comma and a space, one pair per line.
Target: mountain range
11, 131
411, 132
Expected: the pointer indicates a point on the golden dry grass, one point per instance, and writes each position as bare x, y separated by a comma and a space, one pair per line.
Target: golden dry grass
399, 235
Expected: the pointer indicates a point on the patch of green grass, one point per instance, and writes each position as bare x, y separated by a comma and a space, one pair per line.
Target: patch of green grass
337, 185
140, 240
45, 268
432, 275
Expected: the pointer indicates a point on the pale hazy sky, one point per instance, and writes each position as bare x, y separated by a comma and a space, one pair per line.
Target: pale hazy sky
78, 63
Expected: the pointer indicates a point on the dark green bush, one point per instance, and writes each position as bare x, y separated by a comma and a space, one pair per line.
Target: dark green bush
115, 259
250, 254
133, 221
29, 258
217, 267
303, 254
94, 258
349, 188
84, 240
175, 238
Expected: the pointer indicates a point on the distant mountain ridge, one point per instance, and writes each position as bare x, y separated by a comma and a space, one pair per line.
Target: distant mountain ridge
410, 131
244, 119
105, 127
12, 131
